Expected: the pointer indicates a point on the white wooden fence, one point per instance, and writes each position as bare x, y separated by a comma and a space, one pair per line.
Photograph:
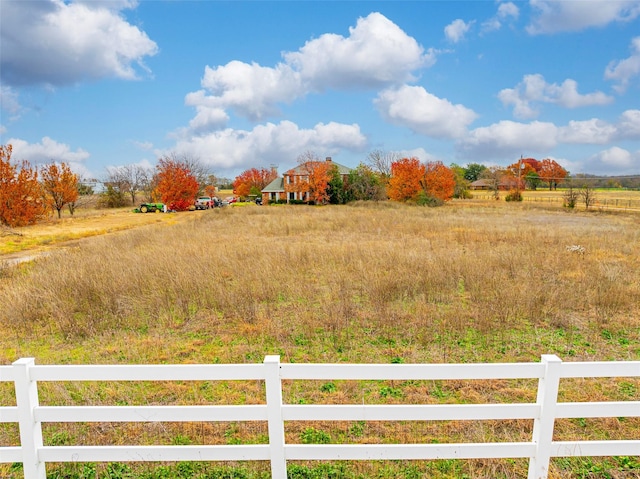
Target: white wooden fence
34, 455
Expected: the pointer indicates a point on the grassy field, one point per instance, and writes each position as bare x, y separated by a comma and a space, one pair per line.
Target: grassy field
473, 281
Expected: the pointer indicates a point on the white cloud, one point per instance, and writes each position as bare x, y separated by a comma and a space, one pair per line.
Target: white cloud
554, 16
592, 131
614, 160
376, 53
600, 132
629, 125
59, 43
270, 143
534, 89
424, 113
9, 100
509, 139
49, 150
46, 151
506, 11
623, 71
252, 91
456, 30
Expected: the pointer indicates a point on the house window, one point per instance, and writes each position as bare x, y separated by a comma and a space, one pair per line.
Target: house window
292, 195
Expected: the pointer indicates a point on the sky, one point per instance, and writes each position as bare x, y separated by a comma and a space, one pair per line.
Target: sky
242, 84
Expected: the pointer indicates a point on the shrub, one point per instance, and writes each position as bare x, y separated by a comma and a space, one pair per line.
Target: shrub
514, 195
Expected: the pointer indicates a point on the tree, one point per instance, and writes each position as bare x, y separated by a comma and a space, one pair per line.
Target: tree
380, 161
60, 185
130, 179
439, 181
532, 180
494, 175
473, 172
22, 200
552, 173
176, 185
461, 188
364, 184
253, 181
405, 181
336, 187
588, 195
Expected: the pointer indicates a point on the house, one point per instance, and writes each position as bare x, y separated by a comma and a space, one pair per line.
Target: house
294, 183
506, 183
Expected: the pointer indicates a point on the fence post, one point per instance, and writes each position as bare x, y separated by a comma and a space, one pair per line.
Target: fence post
543, 425
30, 429
274, 416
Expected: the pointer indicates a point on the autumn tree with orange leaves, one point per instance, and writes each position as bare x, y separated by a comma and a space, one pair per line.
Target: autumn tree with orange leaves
176, 186
60, 185
439, 181
407, 175
411, 180
253, 181
21, 196
551, 172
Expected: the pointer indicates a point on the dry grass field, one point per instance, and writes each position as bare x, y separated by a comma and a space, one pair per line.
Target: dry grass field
472, 281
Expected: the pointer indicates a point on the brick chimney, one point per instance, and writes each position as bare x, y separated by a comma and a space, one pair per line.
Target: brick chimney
328, 159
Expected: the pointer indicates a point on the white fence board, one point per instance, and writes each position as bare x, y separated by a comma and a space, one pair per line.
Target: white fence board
340, 371
370, 452
154, 453
432, 412
150, 413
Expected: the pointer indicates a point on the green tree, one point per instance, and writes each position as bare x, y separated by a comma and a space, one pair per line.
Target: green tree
473, 172
365, 184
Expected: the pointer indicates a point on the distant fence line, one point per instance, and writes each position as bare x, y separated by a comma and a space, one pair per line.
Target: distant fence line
606, 203
33, 454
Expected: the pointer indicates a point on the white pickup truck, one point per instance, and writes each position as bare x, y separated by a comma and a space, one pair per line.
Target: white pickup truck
204, 203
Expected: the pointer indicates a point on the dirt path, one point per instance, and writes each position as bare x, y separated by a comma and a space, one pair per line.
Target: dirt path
28, 243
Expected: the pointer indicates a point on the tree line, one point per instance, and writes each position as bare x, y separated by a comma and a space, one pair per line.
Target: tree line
29, 194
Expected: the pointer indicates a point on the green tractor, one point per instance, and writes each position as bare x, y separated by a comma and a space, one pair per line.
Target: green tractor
151, 207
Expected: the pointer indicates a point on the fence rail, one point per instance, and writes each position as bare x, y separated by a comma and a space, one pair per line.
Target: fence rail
34, 455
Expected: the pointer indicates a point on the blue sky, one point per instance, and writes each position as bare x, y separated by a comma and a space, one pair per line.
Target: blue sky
100, 83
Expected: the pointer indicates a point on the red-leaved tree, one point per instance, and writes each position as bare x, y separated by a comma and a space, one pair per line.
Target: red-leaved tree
551, 172
253, 181
21, 197
176, 185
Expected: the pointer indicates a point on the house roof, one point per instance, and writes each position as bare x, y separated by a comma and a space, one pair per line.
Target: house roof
299, 170
275, 186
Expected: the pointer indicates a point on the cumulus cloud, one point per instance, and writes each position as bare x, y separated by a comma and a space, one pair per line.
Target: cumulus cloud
424, 113
553, 16
623, 71
615, 159
593, 131
456, 30
506, 11
231, 149
251, 90
9, 100
47, 151
509, 139
376, 53
60, 43
533, 89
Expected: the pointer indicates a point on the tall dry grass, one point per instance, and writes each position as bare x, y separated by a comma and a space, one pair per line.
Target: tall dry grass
362, 283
